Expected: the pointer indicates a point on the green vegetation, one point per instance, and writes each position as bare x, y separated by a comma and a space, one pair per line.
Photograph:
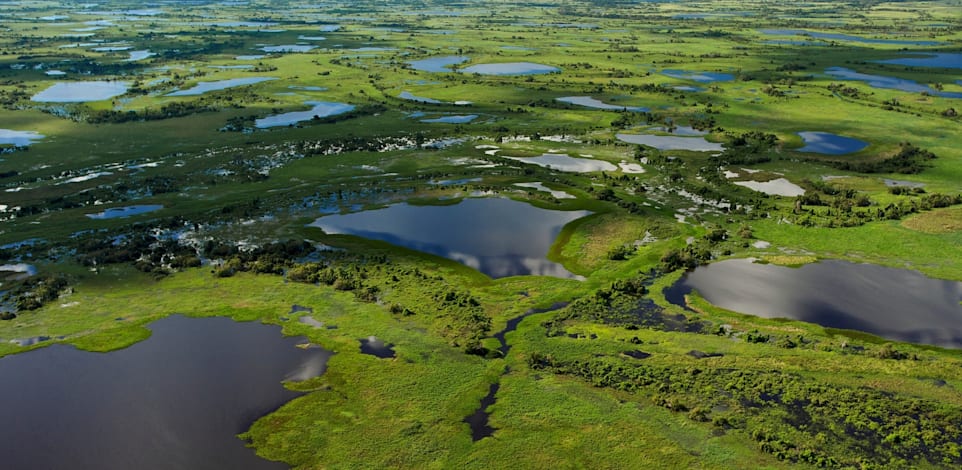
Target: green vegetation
601, 370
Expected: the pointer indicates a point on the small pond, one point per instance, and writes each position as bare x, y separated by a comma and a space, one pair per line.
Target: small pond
945, 60
830, 144
562, 162
406, 95
671, 142
538, 186
890, 83
437, 64
321, 109
79, 92
845, 37
175, 400
120, 212
775, 187
896, 304
204, 87
590, 102
377, 348
288, 48
139, 55
18, 138
700, 77
511, 68
456, 119
499, 237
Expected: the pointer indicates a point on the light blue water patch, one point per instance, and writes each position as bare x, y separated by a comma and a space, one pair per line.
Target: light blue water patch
312, 38
455, 182
420, 99
700, 77
329, 28
112, 48
511, 68
320, 109
139, 55
307, 88
437, 64
668, 142
288, 48
688, 88
120, 212
250, 57
204, 87
945, 60
453, 119
19, 138
830, 144
79, 92
590, 102
564, 162
845, 37
889, 83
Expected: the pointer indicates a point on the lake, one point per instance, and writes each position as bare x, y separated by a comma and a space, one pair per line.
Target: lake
321, 109
562, 162
896, 304
499, 237
204, 87
19, 138
127, 211
511, 68
455, 119
590, 102
437, 64
700, 77
175, 400
846, 37
891, 83
79, 92
945, 60
672, 142
829, 144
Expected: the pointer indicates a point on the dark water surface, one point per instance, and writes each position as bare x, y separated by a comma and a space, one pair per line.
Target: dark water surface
499, 237
174, 401
896, 304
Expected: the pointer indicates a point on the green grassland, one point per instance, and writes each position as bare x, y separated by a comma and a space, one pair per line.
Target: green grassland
570, 394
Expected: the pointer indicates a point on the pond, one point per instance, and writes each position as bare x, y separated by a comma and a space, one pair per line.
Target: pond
204, 87
671, 142
499, 237
590, 102
19, 138
896, 304
437, 64
511, 68
288, 48
890, 83
171, 401
139, 55
539, 186
845, 37
945, 60
120, 212
406, 95
562, 162
775, 187
321, 109
458, 119
829, 144
79, 92
700, 77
